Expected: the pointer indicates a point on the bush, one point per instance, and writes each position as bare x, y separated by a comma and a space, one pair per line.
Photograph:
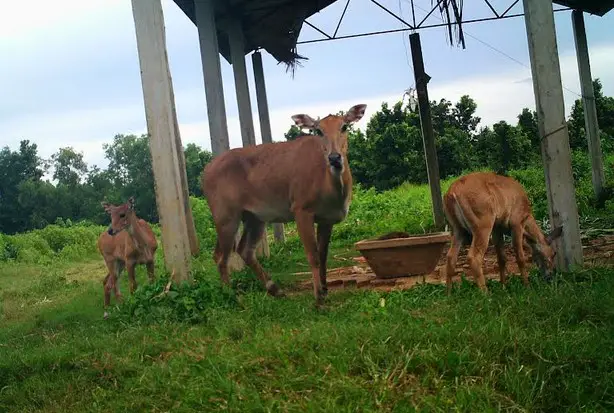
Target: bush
152, 303
54, 241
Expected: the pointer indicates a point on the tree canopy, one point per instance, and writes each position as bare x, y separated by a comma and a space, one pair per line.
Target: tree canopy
35, 192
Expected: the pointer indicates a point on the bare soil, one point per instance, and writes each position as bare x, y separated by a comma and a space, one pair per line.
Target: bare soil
598, 251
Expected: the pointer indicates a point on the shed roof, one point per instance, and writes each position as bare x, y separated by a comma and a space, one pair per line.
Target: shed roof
275, 25
598, 7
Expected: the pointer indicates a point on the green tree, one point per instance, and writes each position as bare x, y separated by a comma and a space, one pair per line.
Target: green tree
527, 122
132, 174
17, 167
504, 147
69, 167
195, 160
294, 132
463, 115
605, 118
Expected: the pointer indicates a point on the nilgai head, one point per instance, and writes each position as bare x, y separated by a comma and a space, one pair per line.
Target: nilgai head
543, 253
333, 130
120, 215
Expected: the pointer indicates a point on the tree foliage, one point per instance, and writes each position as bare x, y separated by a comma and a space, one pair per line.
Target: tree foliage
35, 192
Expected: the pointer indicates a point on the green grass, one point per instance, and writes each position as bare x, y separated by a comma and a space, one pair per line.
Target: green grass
204, 347
545, 348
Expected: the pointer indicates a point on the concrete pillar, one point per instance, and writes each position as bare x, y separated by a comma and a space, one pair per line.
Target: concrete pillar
212, 75
237, 54
556, 155
164, 139
265, 122
588, 102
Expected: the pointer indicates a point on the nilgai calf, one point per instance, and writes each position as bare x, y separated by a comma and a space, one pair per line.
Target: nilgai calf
128, 241
307, 180
482, 203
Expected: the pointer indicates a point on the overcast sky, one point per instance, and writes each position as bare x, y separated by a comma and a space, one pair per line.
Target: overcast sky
70, 72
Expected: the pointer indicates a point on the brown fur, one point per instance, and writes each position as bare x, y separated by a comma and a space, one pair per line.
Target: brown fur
129, 241
482, 203
300, 180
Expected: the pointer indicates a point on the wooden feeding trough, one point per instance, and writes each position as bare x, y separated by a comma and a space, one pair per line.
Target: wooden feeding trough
403, 256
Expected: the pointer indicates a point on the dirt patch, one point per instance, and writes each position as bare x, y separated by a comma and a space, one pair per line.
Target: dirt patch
597, 251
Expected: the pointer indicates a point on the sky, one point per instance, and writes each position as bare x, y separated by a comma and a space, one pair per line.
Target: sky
71, 70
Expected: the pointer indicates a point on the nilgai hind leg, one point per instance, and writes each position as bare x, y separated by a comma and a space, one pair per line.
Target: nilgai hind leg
253, 230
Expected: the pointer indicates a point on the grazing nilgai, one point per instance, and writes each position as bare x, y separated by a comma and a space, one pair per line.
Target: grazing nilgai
483, 202
307, 180
128, 241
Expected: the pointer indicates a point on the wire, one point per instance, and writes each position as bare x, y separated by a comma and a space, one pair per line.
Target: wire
497, 50
405, 45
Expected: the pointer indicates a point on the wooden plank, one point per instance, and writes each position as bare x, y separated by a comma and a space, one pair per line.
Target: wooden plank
160, 114
265, 122
588, 102
556, 155
428, 136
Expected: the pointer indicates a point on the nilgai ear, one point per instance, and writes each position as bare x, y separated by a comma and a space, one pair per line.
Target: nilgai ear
107, 207
304, 121
355, 113
554, 234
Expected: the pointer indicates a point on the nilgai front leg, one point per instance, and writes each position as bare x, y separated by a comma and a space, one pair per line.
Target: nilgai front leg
130, 266
150, 272
517, 240
498, 242
305, 226
324, 232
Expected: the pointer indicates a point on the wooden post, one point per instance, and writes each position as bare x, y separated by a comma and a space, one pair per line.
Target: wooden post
212, 75
265, 122
556, 155
237, 54
588, 102
164, 141
428, 136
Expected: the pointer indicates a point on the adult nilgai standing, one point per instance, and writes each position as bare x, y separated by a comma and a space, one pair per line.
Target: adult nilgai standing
307, 180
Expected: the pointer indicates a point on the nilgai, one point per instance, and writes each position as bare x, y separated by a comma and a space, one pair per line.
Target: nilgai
128, 241
482, 203
307, 180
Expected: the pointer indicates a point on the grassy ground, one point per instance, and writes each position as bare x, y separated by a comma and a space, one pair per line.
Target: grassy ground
546, 348
549, 347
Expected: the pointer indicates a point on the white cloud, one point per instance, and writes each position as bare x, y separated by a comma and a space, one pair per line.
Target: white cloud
500, 96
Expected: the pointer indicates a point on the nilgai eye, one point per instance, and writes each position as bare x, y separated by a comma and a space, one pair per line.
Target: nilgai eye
344, 128
318, 132
122, 215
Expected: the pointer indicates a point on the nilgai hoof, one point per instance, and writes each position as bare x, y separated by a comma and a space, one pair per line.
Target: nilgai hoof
274, 290
106, 315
